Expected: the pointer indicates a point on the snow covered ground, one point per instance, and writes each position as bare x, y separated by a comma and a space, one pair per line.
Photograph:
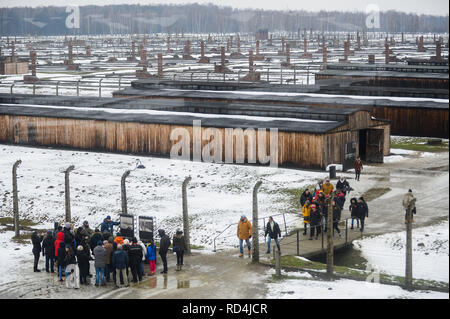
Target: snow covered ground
430, 252
217, 195
304, 287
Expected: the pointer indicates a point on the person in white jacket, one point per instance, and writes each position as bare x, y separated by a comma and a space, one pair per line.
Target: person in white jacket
144, 252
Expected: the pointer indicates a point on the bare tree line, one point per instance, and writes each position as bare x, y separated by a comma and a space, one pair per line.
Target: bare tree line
196, 18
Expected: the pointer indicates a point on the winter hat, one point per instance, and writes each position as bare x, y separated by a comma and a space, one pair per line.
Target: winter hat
49, 232
85, 223
67, 246
80, 248
99, 243
243, 216
108, 217
161, 232
118, 234
179, 231
67, 225
410, 191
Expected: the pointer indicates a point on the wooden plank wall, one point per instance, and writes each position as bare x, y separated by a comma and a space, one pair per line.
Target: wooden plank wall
415, 121
297, 149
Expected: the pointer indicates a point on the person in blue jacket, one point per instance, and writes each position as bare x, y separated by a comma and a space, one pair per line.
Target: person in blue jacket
151, 257
108, 225
120, 262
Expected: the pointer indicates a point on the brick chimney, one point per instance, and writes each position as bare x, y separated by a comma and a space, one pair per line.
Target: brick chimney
386, 53
438, 51
238, 40
288, 54
250, 63
70, 52
222, 56
160, 66
33, 62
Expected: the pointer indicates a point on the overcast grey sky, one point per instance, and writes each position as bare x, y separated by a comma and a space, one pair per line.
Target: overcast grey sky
437, 7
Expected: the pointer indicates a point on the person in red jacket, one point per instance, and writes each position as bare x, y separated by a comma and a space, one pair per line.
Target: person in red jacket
59, 243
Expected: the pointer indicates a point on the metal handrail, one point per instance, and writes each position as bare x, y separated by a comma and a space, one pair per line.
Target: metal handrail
263, 218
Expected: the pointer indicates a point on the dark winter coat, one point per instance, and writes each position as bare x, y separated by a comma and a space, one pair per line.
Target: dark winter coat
36, 241
69, 238
354, 209
336, 213
164, 244
61, 258
95, 238
70, 257
100, 257
340, 200
48, 245
109, 227
275, 233
315, 217
135, 254
304, 197
83, 262
120, 259
179, 242
363, 210
344, 186
323, 208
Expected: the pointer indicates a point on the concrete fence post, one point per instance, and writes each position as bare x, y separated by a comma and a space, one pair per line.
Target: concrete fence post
124, 192
408, 268
255, 230
277, 263
57, 88
34, 89
330, 244
187, 238
16, 198
67, 192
